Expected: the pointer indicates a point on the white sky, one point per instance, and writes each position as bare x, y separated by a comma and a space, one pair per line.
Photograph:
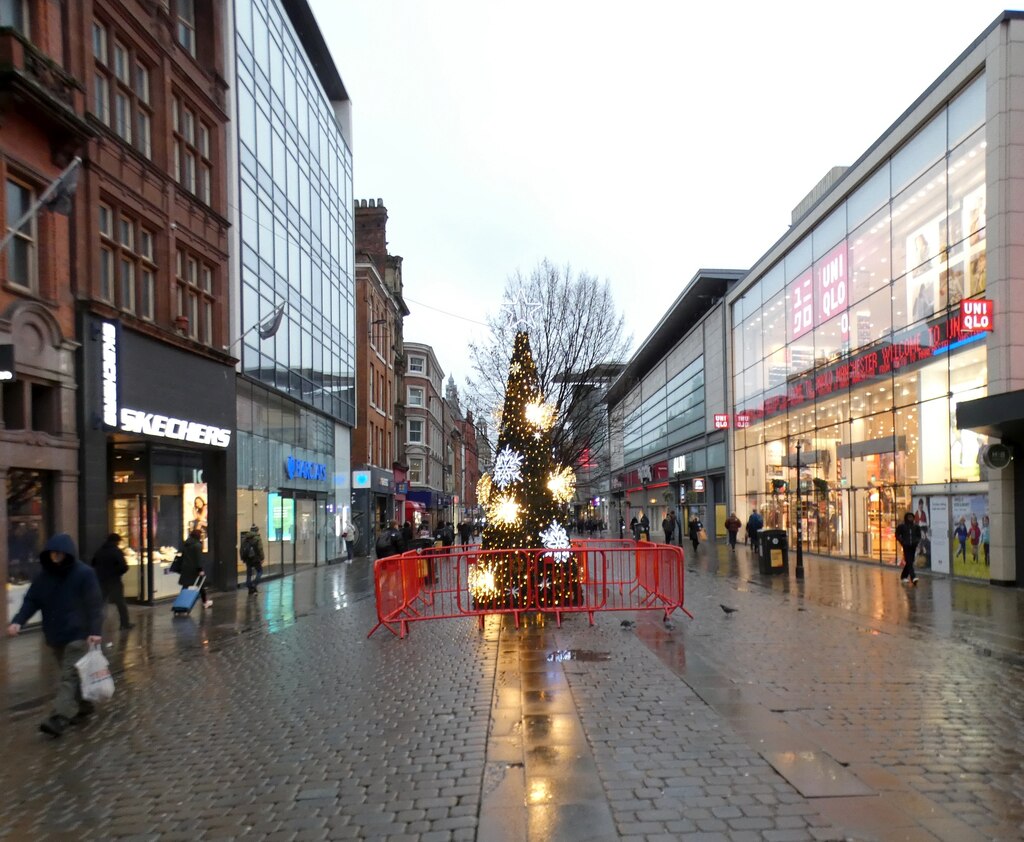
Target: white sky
638, 142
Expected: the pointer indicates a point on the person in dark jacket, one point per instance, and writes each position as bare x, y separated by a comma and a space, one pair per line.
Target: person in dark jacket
389, 541
407, 533
110, 565
645, 527
695, 526
192, 565
908, 534
251, 551
67, 591
732, 526
669, 526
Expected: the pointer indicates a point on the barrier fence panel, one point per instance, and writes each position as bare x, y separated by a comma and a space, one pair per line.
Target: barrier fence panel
467, 581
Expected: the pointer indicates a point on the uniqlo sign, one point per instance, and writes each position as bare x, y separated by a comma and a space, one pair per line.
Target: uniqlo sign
721, 420
742, 420
975, 315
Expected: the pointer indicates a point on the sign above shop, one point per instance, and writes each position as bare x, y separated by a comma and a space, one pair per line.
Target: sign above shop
401, 488
721, 420
6, 362
976, 315
361, 479
301, 469
110, 339
742, 420
698, 484
165, 427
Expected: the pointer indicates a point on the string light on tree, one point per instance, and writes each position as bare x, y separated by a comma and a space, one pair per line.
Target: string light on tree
541, 415
562, 484
504, 509
484, 487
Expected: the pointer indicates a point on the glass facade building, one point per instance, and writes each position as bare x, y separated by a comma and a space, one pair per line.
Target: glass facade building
295, 214
294, 319
850, 353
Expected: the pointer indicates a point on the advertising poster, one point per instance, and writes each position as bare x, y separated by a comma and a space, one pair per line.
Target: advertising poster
923, 248
970, 536
974, 230
193, 510
280, 517
937, 509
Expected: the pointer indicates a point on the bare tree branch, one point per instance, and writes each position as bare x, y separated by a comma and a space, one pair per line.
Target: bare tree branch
577, 335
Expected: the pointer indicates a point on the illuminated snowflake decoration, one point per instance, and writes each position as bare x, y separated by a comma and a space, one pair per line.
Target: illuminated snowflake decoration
556, 537
508, 467
541, 414
484, 487
480, 581
519, 313
515, 368
504, 509
562, 484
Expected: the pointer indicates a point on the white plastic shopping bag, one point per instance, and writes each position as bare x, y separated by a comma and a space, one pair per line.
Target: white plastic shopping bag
94, 673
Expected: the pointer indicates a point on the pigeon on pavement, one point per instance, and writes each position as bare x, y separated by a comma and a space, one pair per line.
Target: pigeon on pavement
729, 610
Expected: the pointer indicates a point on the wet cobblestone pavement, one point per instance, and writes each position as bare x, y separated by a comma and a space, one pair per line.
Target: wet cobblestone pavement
841, 707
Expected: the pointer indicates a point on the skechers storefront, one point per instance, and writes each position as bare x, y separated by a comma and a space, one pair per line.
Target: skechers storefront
292, 480
157, 452
857, 336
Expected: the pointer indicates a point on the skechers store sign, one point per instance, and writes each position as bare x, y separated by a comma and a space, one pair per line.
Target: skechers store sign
301, 469
117, 417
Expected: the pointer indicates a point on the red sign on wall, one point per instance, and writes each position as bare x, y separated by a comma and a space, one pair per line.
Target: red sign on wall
742, 420
976, 315
721, 420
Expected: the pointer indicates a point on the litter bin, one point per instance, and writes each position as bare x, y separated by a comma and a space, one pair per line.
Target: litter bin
774, 555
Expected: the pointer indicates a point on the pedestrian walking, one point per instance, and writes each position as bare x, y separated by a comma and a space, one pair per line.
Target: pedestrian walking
634, 527
669, 527
645, 526
348, 535
389, 541
908, 534
252, 557
67, 591
755, 523
622, 527
110, 565
192, 565
695, 528
732, 526
407, 534
465, 531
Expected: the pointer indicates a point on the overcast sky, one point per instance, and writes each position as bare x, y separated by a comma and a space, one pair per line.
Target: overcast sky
638, 142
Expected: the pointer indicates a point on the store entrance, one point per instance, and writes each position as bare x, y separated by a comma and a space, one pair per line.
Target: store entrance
157, 496
298, 531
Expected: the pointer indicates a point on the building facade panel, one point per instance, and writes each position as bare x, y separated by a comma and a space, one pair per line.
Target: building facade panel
850, 351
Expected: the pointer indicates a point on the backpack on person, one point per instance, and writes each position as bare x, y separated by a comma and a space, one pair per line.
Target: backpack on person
248, 550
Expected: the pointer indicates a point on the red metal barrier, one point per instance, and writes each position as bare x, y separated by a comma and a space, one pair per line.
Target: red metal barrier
589, 576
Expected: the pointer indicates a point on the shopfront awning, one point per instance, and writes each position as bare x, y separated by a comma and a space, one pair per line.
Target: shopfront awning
998, 416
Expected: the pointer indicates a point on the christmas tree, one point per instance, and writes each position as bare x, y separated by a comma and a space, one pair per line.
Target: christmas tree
525, 494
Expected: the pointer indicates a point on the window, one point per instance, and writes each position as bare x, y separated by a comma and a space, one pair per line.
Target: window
415, 396
194, 296
415, 431
417, 365
192, 165
187, 25
127, 276
21, 252
121, 91
14, 13
416, 470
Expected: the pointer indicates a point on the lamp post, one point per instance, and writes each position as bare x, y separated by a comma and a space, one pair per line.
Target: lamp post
799, 521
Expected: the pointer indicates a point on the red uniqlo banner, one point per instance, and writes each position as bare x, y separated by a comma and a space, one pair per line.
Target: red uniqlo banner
976, 315
742, 420
721, 420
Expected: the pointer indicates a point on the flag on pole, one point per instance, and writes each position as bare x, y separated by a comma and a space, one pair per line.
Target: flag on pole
273, 322
58, 196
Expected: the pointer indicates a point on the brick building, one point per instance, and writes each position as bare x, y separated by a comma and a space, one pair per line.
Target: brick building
380, 309
150, 270
42, 128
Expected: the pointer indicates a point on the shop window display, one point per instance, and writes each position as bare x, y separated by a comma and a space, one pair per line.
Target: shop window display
28, 526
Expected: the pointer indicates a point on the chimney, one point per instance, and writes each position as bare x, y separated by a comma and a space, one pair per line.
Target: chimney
371, 231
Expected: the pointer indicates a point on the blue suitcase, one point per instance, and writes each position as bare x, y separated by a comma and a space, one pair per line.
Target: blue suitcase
186, 600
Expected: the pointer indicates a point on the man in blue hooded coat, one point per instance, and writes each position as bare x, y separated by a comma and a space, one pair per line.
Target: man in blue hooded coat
67, 591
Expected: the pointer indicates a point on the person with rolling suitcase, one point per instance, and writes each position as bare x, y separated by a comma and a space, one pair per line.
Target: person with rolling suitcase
192, 578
